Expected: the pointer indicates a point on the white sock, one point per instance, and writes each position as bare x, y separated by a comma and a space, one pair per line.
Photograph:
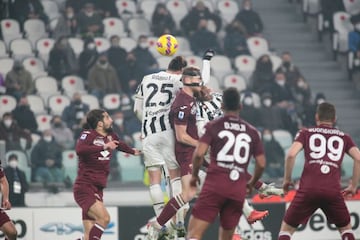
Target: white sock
157, 198
175, 186
247, 209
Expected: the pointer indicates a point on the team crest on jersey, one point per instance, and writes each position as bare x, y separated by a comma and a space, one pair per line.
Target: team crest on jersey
109, 138
99, 141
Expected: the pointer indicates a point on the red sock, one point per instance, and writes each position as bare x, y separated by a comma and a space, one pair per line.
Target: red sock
284, 236
347, 235
258, 184
170, 209
96, 232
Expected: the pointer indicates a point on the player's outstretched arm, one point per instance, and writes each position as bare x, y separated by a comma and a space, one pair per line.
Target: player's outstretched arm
4, 185
138, 107
260, 163
205, 71
351, 189
197, 161
289, 164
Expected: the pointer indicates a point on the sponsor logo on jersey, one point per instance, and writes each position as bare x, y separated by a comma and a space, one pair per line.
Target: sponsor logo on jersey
105, 155
181, 115
83, 136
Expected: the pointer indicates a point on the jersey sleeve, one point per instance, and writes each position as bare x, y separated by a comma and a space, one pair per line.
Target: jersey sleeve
181, 115
207, 136
300, 136
123, 147
258, 146
349, 143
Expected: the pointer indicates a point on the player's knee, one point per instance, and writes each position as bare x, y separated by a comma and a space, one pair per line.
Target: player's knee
11, 234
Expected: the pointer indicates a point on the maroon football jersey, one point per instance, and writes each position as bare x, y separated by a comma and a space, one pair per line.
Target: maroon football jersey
94, 161
233, 142
183, 112
324, 149
2, 174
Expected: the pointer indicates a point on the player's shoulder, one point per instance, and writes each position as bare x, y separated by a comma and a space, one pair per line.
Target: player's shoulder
86, 134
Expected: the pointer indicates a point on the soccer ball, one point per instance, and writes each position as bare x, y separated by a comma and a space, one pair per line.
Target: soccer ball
167, 45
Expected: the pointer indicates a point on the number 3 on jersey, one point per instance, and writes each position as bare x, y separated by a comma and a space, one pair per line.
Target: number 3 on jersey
236, 147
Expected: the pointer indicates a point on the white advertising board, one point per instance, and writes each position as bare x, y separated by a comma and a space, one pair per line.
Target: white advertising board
56, 223
318, 228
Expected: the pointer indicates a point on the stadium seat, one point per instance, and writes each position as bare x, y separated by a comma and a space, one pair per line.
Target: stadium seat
152, 47
148, 7
45, 87
178, 9
131, 168
57, 104
184, 46
234, 80
71, 84
70, 163
352, 6
310, 8
8, 103
20, 49
347, 166
138, 26
256, 98
23, 162
77, 45
102, 44
10, 30
276, 61
114, 26
35, 66
298, 166
51, 9
3, 50
245, 65
208, 3
258, 46
137, 140
193, 60
34, 30
112, 101
284, 137
128, 43
36, 104
214, 84
228, 9
126, 7
43, 121
6, 65
221, 66
43, 47
163, 62
342, 27
91, 100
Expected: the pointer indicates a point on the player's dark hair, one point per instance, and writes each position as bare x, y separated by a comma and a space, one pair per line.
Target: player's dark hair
177, 63
326, 111
231, 99
93, 117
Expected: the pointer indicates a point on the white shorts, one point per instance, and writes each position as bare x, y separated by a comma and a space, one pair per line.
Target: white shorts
159, 149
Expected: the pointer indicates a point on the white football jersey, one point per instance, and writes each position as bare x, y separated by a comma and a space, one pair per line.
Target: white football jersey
158, 91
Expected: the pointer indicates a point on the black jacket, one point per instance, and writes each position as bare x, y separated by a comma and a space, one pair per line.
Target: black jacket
16, 200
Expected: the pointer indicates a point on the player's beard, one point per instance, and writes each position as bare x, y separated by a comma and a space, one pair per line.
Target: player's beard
109, 130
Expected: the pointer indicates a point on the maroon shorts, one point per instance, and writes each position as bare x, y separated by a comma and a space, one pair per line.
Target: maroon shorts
210, 204
305, 203
85, 196
4, 218
184, 159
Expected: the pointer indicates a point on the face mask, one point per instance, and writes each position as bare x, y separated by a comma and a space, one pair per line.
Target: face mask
70, 15
248, 101
301, 84
286, 64
267, 102
77, 102
47, 138
320, 100
247, 8
280, 82
13, 163
143, 45
89, 14
267, 137
7, 123
102, 62
91, 46
57, 124
119, 121
125, 101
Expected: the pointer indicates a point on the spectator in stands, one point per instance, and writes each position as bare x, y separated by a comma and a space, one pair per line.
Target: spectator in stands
250, 19
75, 112
2, 84
263, 75
235, 40
301, 93
162, 21
117, 58
272, 117
328, 8
132, 76
61, 133
280, 91
22, 10
310, 110
90, 22
107, 8
103, 78
292, 73
248, 111
145, 62
77, 5
67, 24
203, 39
19, 81
46, 160
62, 59
189, 24
11, 133
274, 154
24, 116
87, 58
18, 184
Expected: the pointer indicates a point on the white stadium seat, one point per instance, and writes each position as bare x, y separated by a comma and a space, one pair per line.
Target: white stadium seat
128, 43
148, 8
8, 103
342, 27
3, 50
112, 101
70, 163
258, 46
138, 26
178, 9
221, 66
77, 45
6, 65
45, 87
34, 30
228, 9
57, 104
114, 26
125, 6
43, 47
90, 100
245, 65
71, 84
21, 48
43, 121
51, 9
234, 80
10, 30
36, 104
35, 66
102, 44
